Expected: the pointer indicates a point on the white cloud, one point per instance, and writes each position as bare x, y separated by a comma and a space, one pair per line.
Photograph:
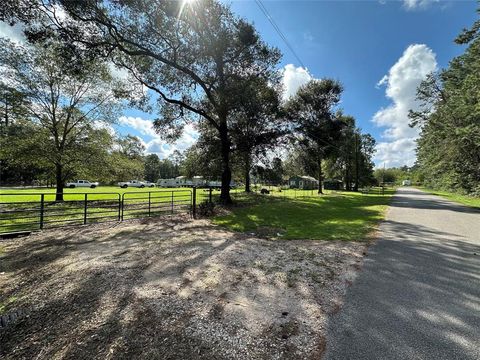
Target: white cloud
418, 4
293, 78
307, 36
118, 73
402, 80
396, 153
14, 33
153, 143
104, 125
145, 127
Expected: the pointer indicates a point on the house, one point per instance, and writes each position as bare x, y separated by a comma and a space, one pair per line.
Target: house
303, 182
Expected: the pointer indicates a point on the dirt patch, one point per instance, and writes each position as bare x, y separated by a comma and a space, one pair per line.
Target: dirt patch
171, 289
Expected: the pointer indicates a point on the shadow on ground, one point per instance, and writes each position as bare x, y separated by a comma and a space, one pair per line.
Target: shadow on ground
419, 294
171, 290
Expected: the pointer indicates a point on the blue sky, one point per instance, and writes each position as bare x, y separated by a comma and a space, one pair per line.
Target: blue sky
379, 50
358, 42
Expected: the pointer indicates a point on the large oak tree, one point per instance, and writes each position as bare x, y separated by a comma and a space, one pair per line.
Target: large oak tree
195, 56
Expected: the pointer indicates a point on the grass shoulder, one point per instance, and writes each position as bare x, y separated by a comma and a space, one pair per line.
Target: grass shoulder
459, 198
335, 216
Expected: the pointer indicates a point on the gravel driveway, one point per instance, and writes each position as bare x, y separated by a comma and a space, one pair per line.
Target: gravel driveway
171, 289
418, 296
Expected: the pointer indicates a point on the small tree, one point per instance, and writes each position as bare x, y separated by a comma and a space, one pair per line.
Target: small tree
314, 122
152, 167
64, 101
256, 125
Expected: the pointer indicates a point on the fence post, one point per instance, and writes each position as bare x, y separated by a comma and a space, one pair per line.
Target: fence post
210, 195
194, 202
85, 210
42, 207
123, 205
119, 208
149, 203
172, 202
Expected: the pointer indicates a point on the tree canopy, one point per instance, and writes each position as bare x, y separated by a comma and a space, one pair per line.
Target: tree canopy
449, 145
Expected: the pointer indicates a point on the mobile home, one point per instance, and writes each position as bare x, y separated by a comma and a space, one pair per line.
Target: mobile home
303, 182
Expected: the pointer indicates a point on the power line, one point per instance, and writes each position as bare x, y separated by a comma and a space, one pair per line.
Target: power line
279, 32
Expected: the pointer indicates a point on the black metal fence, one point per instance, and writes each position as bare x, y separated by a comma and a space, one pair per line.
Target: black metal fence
35, 211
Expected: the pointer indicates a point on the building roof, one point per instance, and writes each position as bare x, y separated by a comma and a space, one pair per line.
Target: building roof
309, 178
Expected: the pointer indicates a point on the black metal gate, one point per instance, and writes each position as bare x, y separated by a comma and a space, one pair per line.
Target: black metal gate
35, 211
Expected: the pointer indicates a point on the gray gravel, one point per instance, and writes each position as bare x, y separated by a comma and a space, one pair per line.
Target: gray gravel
171, 288
418, 296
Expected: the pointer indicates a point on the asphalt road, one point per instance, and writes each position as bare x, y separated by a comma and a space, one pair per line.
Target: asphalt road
418, 294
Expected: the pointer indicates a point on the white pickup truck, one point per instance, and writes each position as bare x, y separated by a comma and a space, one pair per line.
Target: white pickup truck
82, 183
132, 183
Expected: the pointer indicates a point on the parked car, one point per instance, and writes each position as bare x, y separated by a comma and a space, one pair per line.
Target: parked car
149, 184
82, 183
132, 183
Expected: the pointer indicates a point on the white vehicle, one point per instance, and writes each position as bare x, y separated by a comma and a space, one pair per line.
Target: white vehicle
82, 183
132, 183
406, 183
198, 181
214, 184
149, 184
169, 183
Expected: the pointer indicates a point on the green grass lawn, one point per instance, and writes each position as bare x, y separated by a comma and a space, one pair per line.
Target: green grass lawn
335, 216
20, 209
462, 199
294, 214
101, 193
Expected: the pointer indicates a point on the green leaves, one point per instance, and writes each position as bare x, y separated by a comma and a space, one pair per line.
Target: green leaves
449, 146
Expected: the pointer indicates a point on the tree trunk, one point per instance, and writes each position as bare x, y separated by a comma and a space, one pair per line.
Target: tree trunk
227, 173
59, 180
349, 176
357, 177
247, 175
320, 176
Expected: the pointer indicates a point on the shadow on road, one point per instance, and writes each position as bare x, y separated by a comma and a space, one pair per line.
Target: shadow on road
430, 203
417, 298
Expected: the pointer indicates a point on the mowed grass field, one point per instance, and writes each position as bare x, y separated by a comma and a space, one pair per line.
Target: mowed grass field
334, 216
98, 193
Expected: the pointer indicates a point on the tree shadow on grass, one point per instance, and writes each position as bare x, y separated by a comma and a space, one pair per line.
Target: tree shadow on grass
349, 217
